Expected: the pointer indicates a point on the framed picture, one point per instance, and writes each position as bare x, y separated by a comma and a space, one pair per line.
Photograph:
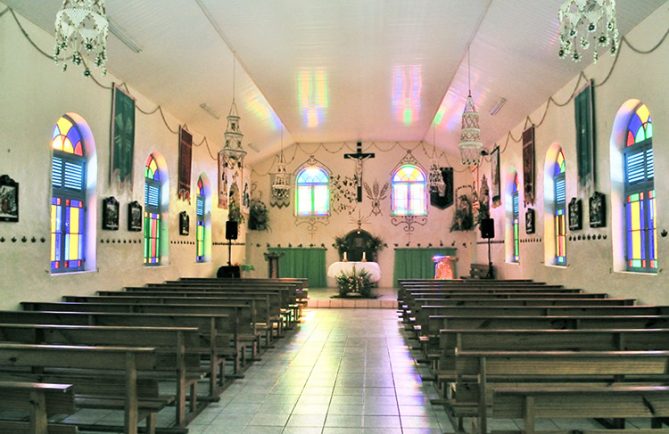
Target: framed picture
184, 223
597, 207
134, 216
110, 214
9, 199
529, 221
575, 214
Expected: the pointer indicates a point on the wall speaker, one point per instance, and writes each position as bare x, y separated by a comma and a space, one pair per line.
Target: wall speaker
488, 228
231, 230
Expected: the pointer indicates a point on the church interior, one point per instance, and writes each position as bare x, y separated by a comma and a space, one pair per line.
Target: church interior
351, 216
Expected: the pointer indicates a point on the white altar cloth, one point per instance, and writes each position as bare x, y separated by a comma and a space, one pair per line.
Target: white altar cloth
347, 267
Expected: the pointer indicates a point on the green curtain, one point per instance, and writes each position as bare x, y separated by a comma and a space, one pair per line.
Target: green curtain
584, 108
301, 262
416, 263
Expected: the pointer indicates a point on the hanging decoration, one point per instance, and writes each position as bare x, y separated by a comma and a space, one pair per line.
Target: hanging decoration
442, 198
585, 24
185, 163
122, 137
246, 192
470, 134
376, 194
280, 181
584, 112
82, 28
231, 157
495, 178
528, 165
484, 200
279, 198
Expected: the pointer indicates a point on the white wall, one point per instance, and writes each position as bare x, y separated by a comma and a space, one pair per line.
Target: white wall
590, 262
35, 93
282, 221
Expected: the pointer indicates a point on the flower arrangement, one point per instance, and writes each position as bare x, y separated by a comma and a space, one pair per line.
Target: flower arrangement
235, 212
258, 216
355, 283
373, 246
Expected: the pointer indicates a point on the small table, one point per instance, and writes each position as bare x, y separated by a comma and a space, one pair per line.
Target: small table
372, 268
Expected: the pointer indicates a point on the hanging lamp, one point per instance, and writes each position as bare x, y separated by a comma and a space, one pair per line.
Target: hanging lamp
470, 134
232, 150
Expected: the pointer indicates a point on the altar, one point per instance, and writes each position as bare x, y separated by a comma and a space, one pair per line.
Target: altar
349, 267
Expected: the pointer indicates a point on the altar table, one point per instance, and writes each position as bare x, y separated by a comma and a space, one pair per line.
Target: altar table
372, 268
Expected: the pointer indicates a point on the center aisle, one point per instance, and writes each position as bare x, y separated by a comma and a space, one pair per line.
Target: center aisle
342, 371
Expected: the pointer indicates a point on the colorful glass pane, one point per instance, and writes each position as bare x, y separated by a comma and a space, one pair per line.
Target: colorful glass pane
151, 238
640, 126
559, 207
312, 195
66, 137
202, 216
151, 170
515, 220
409, 191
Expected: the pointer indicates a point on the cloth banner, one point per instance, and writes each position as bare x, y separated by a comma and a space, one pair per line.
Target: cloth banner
528, 165
443, 199
185, 161
584, 112
302, 262
417, 263
122, 137
495, 178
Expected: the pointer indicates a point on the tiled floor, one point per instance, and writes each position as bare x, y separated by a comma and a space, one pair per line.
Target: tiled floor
343, 371
322, 298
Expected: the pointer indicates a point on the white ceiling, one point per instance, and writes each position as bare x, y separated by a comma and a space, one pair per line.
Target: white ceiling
344, 70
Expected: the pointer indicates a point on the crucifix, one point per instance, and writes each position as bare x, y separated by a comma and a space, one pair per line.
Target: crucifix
359, 156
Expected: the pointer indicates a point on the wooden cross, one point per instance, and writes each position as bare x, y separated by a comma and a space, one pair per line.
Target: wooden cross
359, 156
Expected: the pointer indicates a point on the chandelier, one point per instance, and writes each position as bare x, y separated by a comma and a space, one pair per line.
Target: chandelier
470, 134
587, 22
82, 27
281, 181
232, 150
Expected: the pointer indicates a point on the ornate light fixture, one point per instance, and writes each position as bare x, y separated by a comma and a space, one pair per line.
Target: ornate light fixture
82, 27
470, 134
587, 22
232, 150
281, 181
435, 178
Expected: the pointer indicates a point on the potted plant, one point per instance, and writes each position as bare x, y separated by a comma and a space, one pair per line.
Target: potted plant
258, 216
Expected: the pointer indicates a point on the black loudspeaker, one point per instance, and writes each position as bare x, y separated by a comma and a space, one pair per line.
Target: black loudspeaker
231, 230
488, 228
229, 272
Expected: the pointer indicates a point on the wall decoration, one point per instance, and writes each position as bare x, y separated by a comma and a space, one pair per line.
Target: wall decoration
463, 218
246, 192
185, 163
122, 137
597, 206
495, 178
134, 216
312, 223
355, 243
584, 112
528, 165
9, 199
184, 223
376, 194
230, 172
343, 193
359, 157
408, 222
110, 214
278, 198
529, 221
443, 197
575, 214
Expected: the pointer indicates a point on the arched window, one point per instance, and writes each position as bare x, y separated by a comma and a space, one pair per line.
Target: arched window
203, 220
639, 185
152, 212
560, 209
515, 220
68, 197
409, 195
312, 195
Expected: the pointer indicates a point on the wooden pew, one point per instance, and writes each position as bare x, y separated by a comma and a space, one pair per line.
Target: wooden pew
176, 348
40, 401
479, 373
216, 344
126, 360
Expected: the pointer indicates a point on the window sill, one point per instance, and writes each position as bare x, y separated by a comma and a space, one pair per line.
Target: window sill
637, 273
71, 273
561, 267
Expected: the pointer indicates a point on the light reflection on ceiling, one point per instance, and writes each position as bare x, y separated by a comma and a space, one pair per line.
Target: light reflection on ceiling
407, 86
312, 96
257, 105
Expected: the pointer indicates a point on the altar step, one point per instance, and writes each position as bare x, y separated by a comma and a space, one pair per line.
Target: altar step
352, 304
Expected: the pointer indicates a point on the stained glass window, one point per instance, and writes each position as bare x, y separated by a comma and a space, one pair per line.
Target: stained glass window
152, 211
515, 220
560, 209
203, 222
640, 213
68, 197
409, 195
312, 195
